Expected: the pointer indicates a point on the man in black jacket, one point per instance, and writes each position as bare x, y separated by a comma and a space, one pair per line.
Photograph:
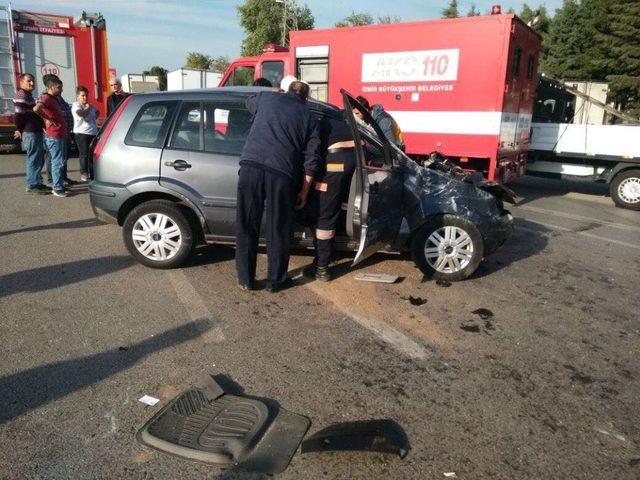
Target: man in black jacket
278, 165
116, 97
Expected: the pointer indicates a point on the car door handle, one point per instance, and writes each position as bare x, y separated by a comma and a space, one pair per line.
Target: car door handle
178, 164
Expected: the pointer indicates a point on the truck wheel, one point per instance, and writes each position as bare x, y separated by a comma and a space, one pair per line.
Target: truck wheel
158, 234
625, 189
447, 247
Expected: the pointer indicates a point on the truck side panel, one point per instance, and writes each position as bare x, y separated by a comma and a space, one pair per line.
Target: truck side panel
443, 81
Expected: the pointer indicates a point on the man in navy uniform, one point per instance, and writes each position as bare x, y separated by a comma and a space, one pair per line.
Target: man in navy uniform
278, 165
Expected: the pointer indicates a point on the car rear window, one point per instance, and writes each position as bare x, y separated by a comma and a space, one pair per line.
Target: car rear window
150, 127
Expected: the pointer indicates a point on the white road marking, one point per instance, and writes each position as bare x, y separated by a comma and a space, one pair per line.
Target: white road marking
193, 303
395, 338
581, 218
584, 234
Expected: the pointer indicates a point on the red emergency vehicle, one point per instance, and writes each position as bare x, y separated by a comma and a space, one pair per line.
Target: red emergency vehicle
75, 49
464, 86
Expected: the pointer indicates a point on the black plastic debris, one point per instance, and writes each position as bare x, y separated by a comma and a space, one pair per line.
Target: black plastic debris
443, 283
483, 313
123, 348
470, 327
383, 435
208, 424
416, 301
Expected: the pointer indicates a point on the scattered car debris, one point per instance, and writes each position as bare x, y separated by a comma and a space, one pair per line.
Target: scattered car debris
123, 348
149, 400
450, 474
634, 461
443, 283
417, 301
376, 277
470, 327
385, 436
208, 424
483, 313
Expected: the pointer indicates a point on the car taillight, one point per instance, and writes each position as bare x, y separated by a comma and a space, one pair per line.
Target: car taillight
111, 122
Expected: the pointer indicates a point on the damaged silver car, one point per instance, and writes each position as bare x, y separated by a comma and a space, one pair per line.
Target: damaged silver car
166, 170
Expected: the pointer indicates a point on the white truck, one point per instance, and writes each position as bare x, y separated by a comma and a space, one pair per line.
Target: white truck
189, 78
563, 147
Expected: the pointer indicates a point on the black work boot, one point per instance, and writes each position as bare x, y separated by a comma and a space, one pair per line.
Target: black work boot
322, 274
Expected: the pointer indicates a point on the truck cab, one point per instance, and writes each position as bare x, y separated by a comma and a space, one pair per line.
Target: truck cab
272, 65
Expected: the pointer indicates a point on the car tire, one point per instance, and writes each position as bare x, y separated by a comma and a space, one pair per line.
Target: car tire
625, 189
158, 234
447, 247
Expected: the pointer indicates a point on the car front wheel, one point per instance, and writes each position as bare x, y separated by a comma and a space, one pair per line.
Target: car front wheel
158, 234
447, 247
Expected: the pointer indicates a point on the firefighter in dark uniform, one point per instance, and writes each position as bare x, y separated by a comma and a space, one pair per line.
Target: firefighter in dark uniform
278, 165
332, 189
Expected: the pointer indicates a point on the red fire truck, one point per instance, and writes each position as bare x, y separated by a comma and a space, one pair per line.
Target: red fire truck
464, 86
75, 49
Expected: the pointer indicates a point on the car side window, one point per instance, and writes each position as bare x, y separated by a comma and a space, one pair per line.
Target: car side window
225, 128
151, 125
186, 134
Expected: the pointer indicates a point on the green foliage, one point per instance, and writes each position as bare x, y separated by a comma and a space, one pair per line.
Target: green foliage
356, 20
161, 73
562, 45
198, 60
263, 20
219, 64
623, 61
451, 11
473, 12
389, 19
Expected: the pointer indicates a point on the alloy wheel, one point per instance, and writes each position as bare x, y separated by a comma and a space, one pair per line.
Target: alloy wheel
449, 249
629, 190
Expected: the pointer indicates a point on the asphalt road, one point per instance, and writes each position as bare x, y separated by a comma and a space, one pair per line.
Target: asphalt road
547, 387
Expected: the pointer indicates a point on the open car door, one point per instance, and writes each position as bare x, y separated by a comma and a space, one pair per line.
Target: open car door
375, 202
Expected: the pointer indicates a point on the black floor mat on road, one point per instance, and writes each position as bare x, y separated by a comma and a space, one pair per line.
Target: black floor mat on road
208, 425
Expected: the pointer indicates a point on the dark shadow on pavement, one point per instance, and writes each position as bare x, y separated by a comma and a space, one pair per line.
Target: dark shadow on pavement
11, 175
528, 239
530, 188
210, 254
85, 223
54, 276
24, 391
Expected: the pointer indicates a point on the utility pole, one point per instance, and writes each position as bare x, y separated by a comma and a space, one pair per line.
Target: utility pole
287, 6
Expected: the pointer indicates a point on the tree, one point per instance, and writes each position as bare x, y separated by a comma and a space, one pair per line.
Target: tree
389, 19
563, 47
219, 64
263, 22
473, 12
623, 62
356, 20
161, 73
451, 11
198, 60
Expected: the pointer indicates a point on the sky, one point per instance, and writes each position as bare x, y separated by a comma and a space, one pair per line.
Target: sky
143, 33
